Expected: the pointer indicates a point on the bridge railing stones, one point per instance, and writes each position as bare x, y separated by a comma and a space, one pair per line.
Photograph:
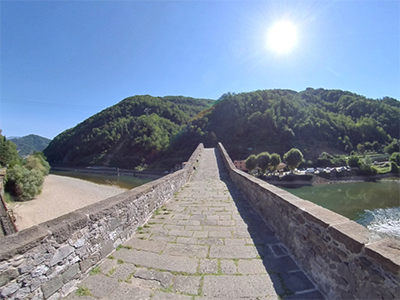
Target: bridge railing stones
47, 260
344, 259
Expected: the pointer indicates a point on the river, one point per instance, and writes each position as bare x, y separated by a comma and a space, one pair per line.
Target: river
375, 205
125, 182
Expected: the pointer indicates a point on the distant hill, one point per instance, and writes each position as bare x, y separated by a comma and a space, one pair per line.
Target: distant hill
30, 143
130, 133
164, 131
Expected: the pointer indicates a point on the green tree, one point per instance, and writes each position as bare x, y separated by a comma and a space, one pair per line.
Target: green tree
368, 146
353, 161
375, 146
8, 153
395, 157
394, 146
360, 148
275, 160
365, 166
293, 158
263, 160
251, 162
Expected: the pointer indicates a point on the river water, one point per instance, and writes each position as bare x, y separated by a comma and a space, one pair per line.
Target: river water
125, 182
375, 205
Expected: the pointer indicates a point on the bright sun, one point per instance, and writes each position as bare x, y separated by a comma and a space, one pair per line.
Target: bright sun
282, 36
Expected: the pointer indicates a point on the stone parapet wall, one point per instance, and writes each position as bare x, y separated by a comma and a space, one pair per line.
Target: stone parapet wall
342, 257
46, 261
6, 223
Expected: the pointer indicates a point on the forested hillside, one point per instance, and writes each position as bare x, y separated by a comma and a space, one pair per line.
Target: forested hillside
30, 143
127, 134
312, 121
165, 131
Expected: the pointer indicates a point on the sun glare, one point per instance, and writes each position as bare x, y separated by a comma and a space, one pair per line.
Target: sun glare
282, 36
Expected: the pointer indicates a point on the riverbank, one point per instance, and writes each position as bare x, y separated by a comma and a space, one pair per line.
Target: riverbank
294, 180
60, 195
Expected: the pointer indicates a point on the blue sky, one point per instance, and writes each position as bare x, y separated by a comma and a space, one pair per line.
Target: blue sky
63, 61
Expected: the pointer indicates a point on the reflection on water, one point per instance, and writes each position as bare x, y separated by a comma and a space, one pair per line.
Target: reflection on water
125, 182
372, 204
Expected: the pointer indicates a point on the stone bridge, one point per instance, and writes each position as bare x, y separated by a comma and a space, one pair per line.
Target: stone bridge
206, 232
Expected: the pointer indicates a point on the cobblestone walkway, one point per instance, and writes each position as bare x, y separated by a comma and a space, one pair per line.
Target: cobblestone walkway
206, 243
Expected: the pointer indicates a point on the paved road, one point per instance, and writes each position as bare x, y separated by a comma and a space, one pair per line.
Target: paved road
206, 243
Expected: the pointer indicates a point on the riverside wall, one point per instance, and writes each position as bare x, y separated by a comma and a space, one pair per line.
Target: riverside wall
342, 257
47, 260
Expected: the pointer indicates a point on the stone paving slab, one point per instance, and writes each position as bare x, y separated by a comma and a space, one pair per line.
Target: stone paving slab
100, 286
147, 245
205, 243
230, 286
156, 261
233, 252
127, 291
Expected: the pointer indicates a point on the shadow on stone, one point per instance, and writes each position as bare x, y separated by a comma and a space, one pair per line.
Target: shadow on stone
288, 279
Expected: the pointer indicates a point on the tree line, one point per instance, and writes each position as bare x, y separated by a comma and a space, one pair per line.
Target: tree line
293, 158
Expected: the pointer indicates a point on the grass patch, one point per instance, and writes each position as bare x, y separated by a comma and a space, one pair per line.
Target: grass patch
111, 257
120, 261
128, 279
236, 261
146, 226
219, 267
140, 228
124, 247
95, 270
111, 271
166, 290
201, 286
83, 291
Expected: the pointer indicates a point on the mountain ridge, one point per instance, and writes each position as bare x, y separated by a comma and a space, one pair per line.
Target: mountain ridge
163, 131
30, 143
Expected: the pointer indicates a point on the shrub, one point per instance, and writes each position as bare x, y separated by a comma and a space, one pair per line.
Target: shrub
37, 162
366, 168
24, 184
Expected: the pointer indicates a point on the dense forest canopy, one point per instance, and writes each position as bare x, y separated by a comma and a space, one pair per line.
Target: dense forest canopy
127, 134
312, 120
164, 131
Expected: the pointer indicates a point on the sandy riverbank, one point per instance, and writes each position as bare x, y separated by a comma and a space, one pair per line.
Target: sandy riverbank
60, 195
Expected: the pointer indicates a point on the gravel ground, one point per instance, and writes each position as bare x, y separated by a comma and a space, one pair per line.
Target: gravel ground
60, 195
